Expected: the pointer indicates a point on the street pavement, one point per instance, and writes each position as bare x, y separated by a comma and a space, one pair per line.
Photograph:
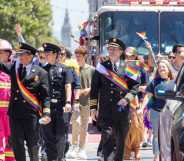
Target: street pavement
146, 153
91, 148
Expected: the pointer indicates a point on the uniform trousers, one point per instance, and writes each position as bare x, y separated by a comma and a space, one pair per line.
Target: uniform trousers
113, 139
25, 130
55, 136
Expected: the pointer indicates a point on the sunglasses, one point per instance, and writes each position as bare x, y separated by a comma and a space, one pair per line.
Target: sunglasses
7, 51
172, 57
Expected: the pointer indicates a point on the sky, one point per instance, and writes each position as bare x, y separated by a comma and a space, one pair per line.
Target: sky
78, 12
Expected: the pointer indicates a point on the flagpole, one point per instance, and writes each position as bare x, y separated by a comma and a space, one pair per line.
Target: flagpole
151, 51
142, 35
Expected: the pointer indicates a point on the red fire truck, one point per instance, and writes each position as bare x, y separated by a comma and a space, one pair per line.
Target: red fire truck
162, 20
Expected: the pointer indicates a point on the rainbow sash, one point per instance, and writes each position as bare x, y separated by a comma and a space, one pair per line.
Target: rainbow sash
28, 96
120, 82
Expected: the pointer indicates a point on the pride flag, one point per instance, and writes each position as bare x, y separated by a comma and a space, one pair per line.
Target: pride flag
142, 35
142, 65
132, 73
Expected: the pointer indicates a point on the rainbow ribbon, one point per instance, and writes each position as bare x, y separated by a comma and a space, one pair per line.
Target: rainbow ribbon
28, 96
117, 80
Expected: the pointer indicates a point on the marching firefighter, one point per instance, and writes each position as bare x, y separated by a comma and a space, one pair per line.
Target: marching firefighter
29, 100
60, 80
6, 152
113, 92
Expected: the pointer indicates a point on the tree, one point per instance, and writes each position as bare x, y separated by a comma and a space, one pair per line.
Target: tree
35, 17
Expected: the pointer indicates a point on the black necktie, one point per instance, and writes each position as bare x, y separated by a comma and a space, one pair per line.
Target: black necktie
115, 68
22, 72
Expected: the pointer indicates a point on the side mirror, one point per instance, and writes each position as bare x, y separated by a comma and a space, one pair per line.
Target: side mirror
173, 90
180, 80
166, 90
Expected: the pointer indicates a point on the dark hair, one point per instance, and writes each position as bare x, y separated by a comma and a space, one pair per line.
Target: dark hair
174, 49
68, 53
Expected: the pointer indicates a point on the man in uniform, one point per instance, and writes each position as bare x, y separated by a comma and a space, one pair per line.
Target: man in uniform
60, 80
29, 100
113, 112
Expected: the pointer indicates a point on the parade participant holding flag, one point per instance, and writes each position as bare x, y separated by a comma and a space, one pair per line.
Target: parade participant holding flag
136, 132
111, 90
29, 101
6, 153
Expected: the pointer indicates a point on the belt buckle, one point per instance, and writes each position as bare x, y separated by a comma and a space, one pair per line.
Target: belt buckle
53, 100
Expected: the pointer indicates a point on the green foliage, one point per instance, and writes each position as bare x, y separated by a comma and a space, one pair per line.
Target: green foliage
35, 17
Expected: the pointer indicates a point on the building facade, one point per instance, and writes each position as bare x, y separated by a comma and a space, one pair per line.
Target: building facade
66, 30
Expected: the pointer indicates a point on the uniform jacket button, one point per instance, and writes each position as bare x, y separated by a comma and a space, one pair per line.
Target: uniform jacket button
17, 91
24, 101
15, 98
111, 100
112, 85
112, 92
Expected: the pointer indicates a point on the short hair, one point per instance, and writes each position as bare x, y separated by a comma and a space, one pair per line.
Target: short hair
68, 53
82, 50
174, 49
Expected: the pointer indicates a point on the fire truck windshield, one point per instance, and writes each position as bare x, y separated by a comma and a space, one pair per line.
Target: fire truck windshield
125, 24
171, 29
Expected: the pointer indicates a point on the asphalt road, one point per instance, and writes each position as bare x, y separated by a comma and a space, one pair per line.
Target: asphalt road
146, 153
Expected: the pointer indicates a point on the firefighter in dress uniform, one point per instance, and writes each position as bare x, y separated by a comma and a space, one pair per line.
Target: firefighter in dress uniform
29, 100
60, 82
113, 101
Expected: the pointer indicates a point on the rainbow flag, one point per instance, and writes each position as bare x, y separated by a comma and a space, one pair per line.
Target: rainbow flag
142, 65
132, 73
142, 35
28, 96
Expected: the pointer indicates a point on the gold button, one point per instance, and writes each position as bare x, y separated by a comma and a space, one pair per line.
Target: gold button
17, 91
15, 98
24, 101
112, 92
112, 85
